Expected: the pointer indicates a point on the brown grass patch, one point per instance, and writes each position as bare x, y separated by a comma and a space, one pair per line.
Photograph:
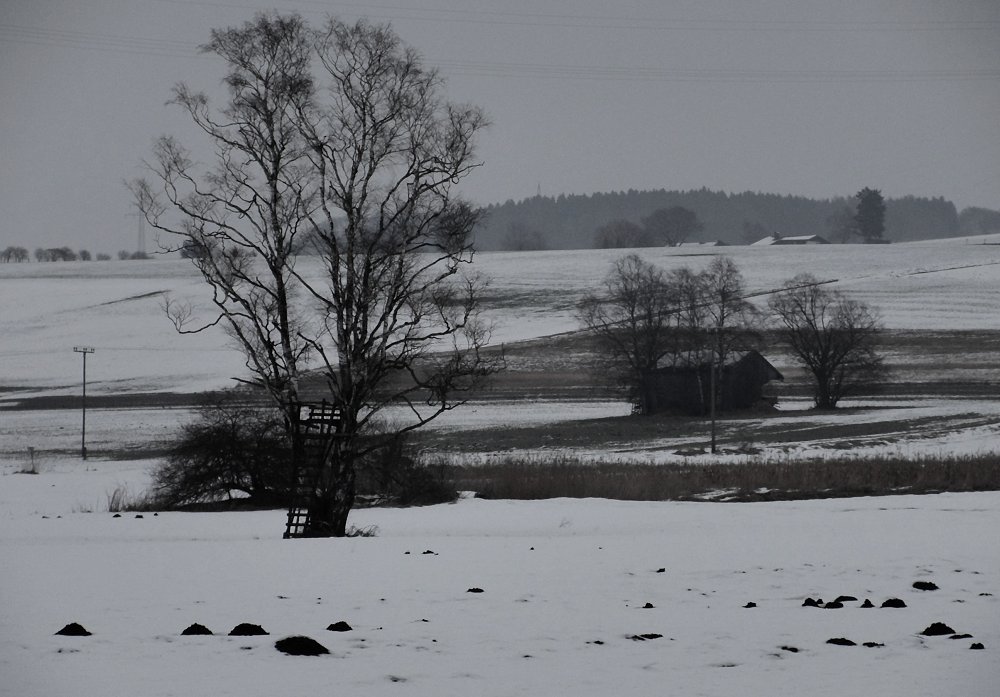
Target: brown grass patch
520, 478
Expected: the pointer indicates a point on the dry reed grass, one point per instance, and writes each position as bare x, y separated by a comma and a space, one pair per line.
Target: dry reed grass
753, 480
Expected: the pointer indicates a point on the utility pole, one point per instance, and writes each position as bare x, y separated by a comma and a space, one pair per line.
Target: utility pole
711, 381
83, 432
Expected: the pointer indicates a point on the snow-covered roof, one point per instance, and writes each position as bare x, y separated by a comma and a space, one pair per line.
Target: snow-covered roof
793, 239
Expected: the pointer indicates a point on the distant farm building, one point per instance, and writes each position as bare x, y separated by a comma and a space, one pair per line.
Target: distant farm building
711, 243
777, 239
686, 389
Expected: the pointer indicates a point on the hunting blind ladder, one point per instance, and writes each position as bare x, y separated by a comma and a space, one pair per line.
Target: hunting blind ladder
319, 425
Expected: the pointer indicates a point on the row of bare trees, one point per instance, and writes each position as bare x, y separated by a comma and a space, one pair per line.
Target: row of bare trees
338, 134
647, 318
20, 254
14, 254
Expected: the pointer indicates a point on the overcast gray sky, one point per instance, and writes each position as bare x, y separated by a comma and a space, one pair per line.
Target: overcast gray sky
811, 97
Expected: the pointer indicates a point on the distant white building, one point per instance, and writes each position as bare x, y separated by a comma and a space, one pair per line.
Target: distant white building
776, 239
712, 243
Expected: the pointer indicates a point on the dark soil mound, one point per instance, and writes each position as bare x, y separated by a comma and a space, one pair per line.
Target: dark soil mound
867, 603
834, 605
893, 602
73, 629
977, 647
846, 599
475, 590
841, 641
750, 605
340, 626
938, 629
645, 637
196, 629
246, 629
872, 645
300, 646
810, 602
962, 636
925, 585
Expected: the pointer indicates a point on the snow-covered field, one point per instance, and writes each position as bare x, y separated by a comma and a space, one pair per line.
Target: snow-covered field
565, 587
116, 307
565, 583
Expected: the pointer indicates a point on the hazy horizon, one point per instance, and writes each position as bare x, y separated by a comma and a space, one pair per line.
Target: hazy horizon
813, 99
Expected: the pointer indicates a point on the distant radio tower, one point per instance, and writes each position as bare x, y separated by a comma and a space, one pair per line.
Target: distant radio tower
141, 241
539, 192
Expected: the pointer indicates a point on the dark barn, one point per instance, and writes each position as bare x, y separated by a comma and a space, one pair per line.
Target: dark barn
687, 389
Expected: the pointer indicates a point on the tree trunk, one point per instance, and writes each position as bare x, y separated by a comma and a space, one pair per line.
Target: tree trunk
332, 505
823, 398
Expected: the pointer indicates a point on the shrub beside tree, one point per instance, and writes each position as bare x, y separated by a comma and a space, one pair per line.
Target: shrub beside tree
237, 452
232, 450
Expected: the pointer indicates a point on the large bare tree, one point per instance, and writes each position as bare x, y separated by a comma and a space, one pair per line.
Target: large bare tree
340, 136
403, 339
834, 337
244, 212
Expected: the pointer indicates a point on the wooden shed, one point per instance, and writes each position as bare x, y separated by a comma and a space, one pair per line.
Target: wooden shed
686, 389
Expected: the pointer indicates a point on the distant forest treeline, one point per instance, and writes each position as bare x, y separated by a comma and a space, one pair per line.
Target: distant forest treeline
570, 222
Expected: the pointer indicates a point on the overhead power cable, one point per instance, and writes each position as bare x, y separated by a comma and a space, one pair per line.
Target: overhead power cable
92, 41
551, 71
575, 20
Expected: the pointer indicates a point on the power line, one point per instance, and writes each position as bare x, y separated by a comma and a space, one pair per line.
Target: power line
607, 73
92, 41
616, 21
701, 75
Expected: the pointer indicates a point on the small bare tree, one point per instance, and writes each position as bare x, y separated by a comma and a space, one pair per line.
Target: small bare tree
719, 320
731, 320
672, 226
834, 337
634, 320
